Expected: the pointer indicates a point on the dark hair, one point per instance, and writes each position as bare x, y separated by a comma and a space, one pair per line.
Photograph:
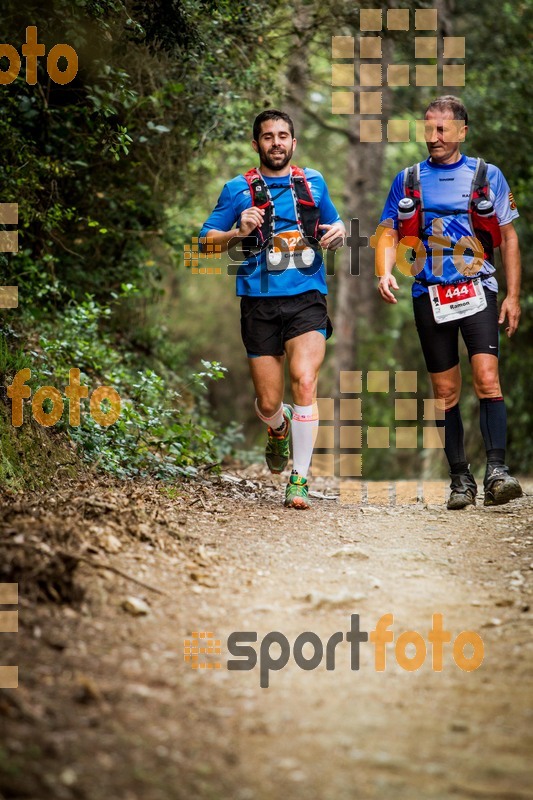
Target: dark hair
448, 102
271, 113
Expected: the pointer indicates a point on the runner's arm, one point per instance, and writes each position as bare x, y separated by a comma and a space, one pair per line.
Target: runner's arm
510, 252
332, 226
386, 245
385, 241
334, 235
218, 228
251, 218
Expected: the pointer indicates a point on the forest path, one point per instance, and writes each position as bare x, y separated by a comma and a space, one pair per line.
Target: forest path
108, 708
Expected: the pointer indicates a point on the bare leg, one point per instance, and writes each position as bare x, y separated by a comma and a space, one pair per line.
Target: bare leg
447, 385
267, 375
485, 375
306, 354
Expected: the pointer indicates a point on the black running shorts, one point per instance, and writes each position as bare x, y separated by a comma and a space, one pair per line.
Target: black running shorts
267, 322
440, 342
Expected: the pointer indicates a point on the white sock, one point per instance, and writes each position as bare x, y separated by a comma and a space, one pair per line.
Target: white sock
304, 425
276, 421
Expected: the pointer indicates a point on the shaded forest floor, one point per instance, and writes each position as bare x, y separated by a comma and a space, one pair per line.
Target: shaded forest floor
108, 708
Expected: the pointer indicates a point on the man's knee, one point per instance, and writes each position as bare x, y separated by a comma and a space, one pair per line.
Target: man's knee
447, 390
268, 404
487, 383
304, 385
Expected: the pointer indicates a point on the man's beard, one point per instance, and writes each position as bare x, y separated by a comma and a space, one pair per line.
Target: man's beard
275, 164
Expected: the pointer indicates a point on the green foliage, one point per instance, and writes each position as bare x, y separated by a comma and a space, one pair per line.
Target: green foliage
163, 428
14, 359
150, 436
93, 166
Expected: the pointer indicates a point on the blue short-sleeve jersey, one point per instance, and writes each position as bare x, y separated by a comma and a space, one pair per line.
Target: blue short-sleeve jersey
446, 187
276, 273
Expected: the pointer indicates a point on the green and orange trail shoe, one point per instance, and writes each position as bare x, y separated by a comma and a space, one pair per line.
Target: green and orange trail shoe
500, 487
297, 492
278, 447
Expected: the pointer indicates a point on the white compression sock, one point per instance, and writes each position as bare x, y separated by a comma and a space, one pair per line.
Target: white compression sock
304, 425
276, 421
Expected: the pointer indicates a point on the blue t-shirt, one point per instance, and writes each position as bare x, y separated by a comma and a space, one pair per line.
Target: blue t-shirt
292, 268
447, 187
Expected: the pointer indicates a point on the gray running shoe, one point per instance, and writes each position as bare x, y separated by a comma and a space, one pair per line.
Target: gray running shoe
464, 490
500, 487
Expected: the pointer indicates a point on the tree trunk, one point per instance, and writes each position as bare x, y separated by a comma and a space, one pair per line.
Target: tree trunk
357, 302
297, 75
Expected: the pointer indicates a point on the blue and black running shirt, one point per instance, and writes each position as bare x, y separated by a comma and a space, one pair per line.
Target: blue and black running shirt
447, 187
291, 269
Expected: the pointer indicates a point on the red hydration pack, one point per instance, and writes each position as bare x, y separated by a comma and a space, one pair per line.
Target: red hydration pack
482, 215
306, 210
483, 219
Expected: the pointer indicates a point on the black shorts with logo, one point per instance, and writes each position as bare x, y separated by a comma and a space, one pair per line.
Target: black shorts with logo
440, 341
268, 322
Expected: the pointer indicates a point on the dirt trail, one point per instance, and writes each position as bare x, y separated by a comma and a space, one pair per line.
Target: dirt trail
107, 707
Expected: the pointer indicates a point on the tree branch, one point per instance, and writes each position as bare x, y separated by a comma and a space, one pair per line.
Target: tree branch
352, 137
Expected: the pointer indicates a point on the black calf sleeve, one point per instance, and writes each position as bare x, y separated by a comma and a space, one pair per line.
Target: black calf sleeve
493, 424
454, 446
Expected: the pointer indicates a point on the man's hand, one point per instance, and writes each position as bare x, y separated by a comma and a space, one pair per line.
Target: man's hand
511, 309
386, 283
251, 218
334, 236
510, 252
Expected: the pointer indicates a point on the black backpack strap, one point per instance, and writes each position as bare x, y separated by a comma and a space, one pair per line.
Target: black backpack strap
418, 188
409, 174
307, 212
260, 237
480, 183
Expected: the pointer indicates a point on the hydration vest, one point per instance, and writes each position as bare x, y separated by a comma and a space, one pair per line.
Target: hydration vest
306, 211
484, 226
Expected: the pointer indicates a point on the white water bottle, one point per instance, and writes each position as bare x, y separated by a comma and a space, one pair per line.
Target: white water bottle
408, 217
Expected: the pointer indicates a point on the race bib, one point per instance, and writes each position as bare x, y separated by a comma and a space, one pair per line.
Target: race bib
457, 300
288, 251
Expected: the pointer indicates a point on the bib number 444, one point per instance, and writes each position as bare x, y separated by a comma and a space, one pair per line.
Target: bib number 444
457, 301
456, 291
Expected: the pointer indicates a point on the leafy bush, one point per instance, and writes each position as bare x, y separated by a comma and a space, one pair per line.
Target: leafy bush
163, 428
93, 166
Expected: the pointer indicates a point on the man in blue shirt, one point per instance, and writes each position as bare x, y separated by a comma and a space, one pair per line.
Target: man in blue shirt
284, 218
455, 287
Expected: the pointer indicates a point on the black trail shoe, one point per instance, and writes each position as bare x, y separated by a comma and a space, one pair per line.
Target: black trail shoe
464, 490
500, 487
